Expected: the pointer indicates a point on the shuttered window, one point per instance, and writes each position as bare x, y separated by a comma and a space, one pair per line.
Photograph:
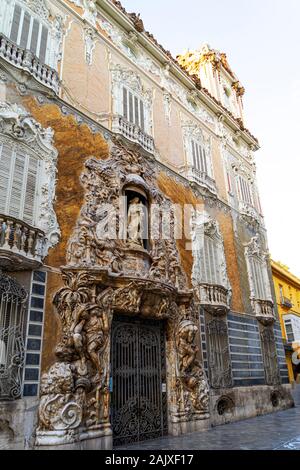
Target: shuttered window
133, 108
18, 183
29, 33
199, 157
210, 263
257, 274
245, 190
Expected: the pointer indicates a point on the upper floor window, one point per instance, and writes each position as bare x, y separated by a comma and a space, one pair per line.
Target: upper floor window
200, 162
29, 32
208, 251
133, 108
289, 331
18, 182
31, 26
258, 275
245, 190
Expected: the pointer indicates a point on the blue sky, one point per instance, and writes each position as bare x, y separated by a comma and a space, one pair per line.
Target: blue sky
261, 39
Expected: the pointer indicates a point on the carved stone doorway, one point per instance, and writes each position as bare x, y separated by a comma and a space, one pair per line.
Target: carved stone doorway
138, 380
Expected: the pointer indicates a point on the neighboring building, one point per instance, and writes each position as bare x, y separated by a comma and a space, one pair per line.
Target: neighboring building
127, 337
287, 291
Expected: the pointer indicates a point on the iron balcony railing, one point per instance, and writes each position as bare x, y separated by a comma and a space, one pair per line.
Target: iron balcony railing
26, 60
13, 300
133, 132
285, 302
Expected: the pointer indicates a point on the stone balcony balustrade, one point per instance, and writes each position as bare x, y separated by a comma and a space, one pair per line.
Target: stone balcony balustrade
21, 245
264, 311
201, 178
249, 211
27, 61
214, 298
133, 133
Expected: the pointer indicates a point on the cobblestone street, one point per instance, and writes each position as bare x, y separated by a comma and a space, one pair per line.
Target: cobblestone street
278, 431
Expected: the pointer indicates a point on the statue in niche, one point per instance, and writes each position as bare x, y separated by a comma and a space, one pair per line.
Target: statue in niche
136, 222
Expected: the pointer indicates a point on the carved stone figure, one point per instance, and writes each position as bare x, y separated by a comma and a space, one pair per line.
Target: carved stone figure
190, 370
135, 222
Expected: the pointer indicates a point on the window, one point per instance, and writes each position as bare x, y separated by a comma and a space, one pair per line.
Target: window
199, 157
18, 183
133, 108
256, 259
257, 272
281, 293
227, 97
210, 262
245, 190
29, 33
289, 331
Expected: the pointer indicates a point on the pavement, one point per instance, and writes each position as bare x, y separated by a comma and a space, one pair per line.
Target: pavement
276, 431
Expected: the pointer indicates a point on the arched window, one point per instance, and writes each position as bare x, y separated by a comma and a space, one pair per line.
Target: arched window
12, 332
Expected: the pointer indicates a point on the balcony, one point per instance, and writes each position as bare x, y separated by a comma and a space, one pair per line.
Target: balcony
27, 61
21, 246
249, 211
287, 303
264, 311
201, 178
214, 298
133, 133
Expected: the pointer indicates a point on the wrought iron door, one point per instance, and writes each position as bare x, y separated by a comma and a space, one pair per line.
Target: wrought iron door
138, 405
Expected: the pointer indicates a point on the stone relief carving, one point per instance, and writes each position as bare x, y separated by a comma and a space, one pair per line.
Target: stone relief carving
74, 391
97, 239
90, 43
99, 280
18, 127
191, 382
122, 76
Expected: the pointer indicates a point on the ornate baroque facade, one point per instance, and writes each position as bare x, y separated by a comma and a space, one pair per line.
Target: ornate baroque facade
136, 293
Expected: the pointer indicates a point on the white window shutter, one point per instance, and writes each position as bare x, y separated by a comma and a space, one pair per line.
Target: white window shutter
15, 208
43, 44
30, 191
15, 23
5, 165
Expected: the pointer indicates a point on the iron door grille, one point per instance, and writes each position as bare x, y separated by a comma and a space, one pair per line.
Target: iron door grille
138, 410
